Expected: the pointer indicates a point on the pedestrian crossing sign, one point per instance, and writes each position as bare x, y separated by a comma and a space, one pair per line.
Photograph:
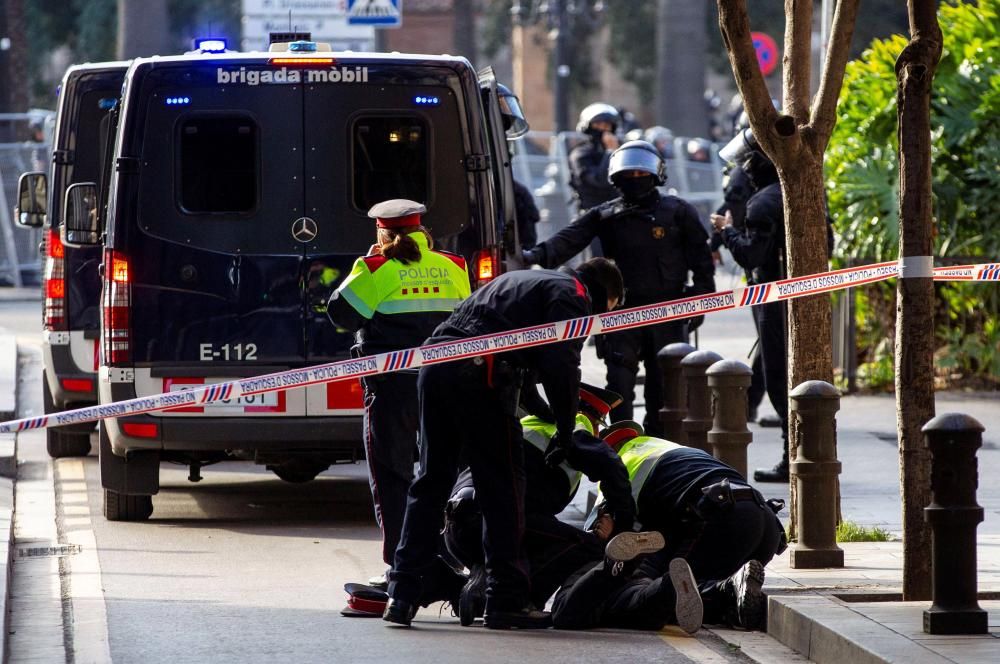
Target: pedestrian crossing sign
381, 13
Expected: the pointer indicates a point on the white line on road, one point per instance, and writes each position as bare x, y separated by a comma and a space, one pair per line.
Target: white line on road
691, 647
83, 585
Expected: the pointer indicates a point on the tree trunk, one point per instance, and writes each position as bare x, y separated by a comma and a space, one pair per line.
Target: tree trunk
915, 291
796, 140
142, 29
681, 42
15, 87
810, 353
465, 30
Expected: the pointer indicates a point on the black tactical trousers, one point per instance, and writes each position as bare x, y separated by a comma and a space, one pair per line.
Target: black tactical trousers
554, 549
391, 425
715, 549
757, 389
772, 324
463, 418
623, 352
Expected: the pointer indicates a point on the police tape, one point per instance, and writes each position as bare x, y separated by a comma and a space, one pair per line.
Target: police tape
450, 351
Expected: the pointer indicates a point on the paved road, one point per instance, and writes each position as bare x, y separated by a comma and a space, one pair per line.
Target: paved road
240, 567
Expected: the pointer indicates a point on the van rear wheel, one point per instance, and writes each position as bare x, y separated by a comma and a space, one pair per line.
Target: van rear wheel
62, 443
123, 507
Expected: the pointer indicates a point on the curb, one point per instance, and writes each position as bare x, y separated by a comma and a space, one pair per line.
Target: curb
829, 632
8, 375
8, 471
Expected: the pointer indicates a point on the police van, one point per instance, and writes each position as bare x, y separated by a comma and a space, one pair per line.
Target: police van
237, 203
71, 285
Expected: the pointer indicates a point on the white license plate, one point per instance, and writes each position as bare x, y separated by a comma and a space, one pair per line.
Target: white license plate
262, 400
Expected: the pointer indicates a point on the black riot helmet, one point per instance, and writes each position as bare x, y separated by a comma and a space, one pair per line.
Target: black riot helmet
514, 123
637, 156
745, 152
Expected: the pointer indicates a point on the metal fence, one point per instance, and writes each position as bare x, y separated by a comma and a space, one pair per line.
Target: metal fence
20, 262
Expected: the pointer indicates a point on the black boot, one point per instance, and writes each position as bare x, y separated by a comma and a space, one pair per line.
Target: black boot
399, 612
527, 618
739, 601
472, 601
777, 474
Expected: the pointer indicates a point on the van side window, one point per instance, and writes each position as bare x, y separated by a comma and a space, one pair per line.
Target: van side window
391, 160
218, 164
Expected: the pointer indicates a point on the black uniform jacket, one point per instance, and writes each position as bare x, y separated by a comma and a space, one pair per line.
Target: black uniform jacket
760, 247
654, 244
588, 173
675, 481
526, 298
527, 216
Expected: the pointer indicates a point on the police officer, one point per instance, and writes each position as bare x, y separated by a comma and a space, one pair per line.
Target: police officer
526, 214
759, 248
708, 516
394, 298
656, 240
554, 549
588, 162
468, 409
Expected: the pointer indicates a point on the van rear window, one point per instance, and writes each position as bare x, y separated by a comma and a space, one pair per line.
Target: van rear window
391, 159
218, 164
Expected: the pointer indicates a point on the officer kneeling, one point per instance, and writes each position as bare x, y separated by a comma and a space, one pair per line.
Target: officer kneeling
712, 535
468, 411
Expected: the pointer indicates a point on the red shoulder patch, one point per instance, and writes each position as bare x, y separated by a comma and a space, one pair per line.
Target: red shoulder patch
455, 258
581, 290
375, 262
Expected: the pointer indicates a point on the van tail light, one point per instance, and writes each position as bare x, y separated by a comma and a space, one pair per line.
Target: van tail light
487, 265
141, 430
54, 282
344, 395
116, 304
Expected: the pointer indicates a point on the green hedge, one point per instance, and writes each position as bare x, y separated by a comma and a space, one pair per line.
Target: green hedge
863, 183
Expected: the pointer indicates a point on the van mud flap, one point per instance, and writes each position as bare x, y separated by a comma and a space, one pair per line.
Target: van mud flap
135, 475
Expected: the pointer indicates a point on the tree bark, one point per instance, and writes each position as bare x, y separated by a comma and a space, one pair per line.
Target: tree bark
795, 140
914, 347
681, 60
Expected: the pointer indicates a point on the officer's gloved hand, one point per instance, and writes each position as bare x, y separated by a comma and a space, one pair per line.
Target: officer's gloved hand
558, 449
612, 208
533, 256
694, 323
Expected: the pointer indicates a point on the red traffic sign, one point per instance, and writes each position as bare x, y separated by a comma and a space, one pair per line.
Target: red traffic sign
767, 52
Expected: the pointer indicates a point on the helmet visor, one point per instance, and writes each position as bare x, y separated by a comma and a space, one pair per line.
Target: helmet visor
634, 159
738, 149
514, 121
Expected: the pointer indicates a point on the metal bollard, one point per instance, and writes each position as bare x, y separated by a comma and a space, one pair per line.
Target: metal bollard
674, 406
729, 380
953, 516
698, 420
815, 469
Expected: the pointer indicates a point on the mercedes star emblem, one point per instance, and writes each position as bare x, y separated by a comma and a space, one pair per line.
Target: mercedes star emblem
304, 229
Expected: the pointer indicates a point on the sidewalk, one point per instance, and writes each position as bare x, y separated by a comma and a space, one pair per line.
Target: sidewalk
848, 615
26, 294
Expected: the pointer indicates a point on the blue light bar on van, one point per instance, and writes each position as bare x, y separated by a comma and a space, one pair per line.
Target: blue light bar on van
178, 101
107, 103
426, 101
211, 45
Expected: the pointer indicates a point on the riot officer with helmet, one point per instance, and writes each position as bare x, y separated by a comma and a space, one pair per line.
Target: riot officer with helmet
588, 162
658, 239
759, 248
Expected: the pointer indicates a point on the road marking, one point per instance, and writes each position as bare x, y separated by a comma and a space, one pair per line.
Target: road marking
691, 647
88, 613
